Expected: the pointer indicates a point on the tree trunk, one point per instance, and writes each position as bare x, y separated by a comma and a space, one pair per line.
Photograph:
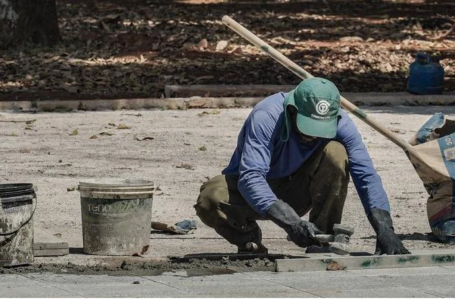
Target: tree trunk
23, 21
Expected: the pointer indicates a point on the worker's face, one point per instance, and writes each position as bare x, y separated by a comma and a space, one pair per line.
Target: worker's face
303, 138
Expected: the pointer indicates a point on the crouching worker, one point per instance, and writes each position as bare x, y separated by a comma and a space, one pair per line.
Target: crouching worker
294, 155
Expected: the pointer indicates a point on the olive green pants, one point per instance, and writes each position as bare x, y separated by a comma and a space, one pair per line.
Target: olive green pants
319, 185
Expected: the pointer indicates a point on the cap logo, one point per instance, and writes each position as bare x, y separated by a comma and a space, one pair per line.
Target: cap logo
322, 107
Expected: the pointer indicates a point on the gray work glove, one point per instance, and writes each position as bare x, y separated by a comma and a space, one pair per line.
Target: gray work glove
302, 233
387, 241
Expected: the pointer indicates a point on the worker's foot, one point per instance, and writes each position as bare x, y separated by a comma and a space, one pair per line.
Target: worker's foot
252, 248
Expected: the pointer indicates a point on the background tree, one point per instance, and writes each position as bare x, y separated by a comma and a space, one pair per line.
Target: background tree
24, 21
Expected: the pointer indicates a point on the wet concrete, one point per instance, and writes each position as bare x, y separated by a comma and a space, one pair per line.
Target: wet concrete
192, 266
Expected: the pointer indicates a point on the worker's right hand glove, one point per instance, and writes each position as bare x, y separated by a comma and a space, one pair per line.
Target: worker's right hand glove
387, 241
301, 232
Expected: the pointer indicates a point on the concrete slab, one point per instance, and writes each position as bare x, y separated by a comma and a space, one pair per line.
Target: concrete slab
17, 286
319, 281
95, 286
364, 283
403, 271
448, 292
333, 262
229, 286
387, 283
434, 284
373, 293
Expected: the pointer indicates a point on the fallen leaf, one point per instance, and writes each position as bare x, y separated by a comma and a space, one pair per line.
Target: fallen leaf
112, 124
203, 44
123, 126
30, 122
94, 137
75, 132
335, 266
399, 131
106, 133
24, 151
70, 189
221, 45
203, 148
185, 166
28, 128
144, 138
351, 39
213, 112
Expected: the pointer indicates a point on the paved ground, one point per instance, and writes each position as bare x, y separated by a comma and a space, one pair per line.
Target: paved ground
188, 146
391, 283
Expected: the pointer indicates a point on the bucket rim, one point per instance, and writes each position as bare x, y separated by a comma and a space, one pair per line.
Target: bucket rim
16, 189
110, 183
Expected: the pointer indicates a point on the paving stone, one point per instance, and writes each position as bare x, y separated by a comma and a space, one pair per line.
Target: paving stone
439, 291
403, 271
95, 286
317, 281
233, 285
16, 286
373, 293
420, 281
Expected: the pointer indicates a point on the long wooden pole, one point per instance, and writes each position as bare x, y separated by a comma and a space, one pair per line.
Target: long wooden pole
286, 62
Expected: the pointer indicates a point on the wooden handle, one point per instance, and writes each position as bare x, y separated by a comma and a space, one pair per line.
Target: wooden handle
293, 67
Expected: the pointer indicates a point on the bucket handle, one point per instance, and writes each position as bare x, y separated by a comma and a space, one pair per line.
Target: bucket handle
26, 222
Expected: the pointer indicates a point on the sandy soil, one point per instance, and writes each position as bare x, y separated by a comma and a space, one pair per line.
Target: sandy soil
45, 154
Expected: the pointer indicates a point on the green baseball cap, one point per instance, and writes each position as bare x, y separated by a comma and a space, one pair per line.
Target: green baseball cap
317, 101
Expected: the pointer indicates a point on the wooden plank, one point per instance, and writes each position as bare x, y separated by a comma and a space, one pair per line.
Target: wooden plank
46, 244
50, 245
333, 262
50, 252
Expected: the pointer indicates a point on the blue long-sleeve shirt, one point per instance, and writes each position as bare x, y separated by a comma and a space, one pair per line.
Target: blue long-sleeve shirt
261, 154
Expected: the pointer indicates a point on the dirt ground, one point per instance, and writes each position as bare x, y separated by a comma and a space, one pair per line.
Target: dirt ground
187, 148
118, 49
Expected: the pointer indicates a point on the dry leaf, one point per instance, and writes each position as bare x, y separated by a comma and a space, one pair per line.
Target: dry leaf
221, 45
185, 166
213, 112
70, 189
143, 139
24, 150
202, 44
351, 39
123, 126
203, 148
112, 124
94, 137
75, 132
106, 133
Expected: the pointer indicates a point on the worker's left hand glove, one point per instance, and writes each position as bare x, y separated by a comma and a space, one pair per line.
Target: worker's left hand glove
387, 241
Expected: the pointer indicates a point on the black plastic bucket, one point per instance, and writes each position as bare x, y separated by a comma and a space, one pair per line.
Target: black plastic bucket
17, 206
